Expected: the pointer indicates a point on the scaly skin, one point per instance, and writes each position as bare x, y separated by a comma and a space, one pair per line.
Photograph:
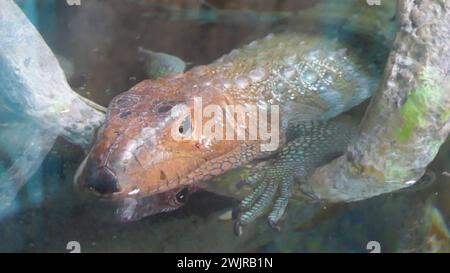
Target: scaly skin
310, 77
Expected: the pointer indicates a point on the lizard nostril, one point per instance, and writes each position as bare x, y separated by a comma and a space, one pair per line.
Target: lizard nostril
125, 114
164, 108
100, 179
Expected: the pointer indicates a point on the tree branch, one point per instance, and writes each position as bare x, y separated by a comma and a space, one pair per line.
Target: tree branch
409, 117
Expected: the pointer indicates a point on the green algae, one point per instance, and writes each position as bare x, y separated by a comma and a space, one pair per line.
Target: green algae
426, 98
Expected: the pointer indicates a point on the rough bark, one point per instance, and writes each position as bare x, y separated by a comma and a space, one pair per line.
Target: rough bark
409, 117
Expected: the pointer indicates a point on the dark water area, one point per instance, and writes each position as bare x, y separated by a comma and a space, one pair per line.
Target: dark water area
101, 38
98, 41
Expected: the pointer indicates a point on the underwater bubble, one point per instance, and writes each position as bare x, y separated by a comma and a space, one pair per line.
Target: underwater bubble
291, 60
312, 56
257, 74
226, 84
279, 88
242, 82
329, 76
288, 72
309, 76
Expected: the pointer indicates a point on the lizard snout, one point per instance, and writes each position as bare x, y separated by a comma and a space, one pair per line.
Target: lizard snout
97, 179
101, 180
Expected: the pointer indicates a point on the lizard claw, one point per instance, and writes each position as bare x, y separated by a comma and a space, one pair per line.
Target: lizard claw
237, 228
274, 225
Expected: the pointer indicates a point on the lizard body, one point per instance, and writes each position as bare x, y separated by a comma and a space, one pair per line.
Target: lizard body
309, 77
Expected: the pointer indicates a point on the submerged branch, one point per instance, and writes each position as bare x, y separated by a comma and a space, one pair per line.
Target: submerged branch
33, 85
33, 81
409, 117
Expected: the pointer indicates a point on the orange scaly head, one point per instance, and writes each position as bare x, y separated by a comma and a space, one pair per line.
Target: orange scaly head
136, 154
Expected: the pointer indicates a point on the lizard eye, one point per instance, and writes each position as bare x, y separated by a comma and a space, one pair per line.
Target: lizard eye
185, 126
182, 195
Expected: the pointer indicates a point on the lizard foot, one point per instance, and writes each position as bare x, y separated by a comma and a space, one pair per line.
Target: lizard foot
276, 179
316, 144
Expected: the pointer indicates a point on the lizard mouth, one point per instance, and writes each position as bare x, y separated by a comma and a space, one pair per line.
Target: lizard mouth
100, 183
116, 181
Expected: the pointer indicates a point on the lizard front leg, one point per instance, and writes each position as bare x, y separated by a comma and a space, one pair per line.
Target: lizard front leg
316, 144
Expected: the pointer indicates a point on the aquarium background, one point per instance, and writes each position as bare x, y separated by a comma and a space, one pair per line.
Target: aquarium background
96, 43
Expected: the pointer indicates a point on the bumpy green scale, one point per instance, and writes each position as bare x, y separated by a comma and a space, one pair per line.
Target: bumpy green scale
299, 72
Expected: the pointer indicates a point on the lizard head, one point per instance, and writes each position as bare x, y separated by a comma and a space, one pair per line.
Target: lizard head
147, 147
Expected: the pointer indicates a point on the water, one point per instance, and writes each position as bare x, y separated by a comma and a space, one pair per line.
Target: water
97, 43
